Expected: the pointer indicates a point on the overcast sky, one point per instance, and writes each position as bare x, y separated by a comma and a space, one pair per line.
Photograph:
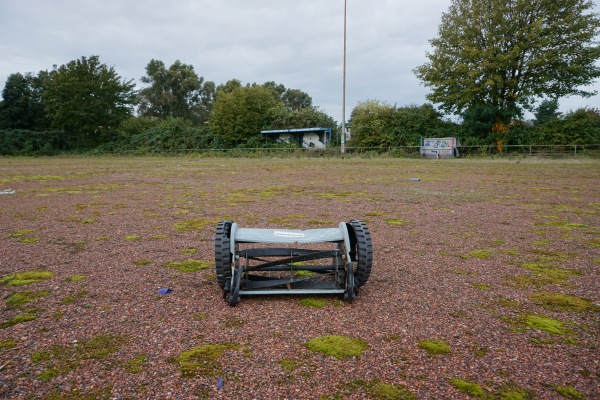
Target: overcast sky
296, 43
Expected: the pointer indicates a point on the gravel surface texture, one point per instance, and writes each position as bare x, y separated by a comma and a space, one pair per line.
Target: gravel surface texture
463, 255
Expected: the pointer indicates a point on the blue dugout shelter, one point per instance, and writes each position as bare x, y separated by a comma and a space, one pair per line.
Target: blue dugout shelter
304, 137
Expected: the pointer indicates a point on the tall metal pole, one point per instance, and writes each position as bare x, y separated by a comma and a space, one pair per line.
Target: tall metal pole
343, 143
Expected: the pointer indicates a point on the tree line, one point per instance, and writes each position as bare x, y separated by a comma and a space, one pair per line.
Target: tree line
85, 106
491, 62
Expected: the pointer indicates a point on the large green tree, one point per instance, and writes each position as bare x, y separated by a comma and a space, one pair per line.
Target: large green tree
22, 106
378, 124
505, 55
306, 117
87, 100
240, 114
176, 92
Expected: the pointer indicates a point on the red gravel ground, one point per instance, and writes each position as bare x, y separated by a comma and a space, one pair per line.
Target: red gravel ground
459, 256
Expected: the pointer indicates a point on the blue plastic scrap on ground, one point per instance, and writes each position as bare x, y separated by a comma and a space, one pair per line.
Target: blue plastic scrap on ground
164, 291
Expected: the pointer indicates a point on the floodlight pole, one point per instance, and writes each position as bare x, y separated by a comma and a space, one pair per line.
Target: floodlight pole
343, 142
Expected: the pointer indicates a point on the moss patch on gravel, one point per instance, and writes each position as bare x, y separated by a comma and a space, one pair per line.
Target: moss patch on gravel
435, 346
569, 392
25, 317
470, 388
76, 278
544, 323
19, 299
562, 302
313, 302
7, 344
376, 389
190, 265
480, 253
395, 222
26, 278
59, 360
204, 360
193, 224
135, 365
338, 346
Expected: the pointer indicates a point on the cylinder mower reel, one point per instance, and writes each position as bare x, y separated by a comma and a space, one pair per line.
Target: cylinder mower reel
256, 261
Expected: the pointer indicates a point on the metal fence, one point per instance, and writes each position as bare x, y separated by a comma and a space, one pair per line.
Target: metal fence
554, 151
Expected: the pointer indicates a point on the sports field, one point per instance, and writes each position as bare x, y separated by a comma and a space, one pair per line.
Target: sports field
485, 280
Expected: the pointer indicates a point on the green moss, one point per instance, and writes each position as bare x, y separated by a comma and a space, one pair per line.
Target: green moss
143, 261
135, 366
338, 346
289, 365
30, 240
59, 360
435, 346
313, 302
462, 272
190, 265
470, 388
159, 237
481, 254
131, 237
385, 391
480, 351
204, 360
395, 222
77, 278
189, 251
18, 320
376, 389
569, 392
374, 213
233, 321
481, 286
21, 298
562, 302
514, 392
8, 344
522, 281
26, 278
562, 224
21, 233
304, 274
545, 324
193, 224
71, 298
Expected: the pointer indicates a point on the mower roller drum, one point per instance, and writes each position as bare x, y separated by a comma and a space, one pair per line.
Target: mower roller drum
257, 261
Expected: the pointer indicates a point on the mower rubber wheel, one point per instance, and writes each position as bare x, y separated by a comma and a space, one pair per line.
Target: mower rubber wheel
222, 252
236, 282
361, 250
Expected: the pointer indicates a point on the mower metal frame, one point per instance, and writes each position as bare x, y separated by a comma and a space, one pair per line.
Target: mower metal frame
245, 271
